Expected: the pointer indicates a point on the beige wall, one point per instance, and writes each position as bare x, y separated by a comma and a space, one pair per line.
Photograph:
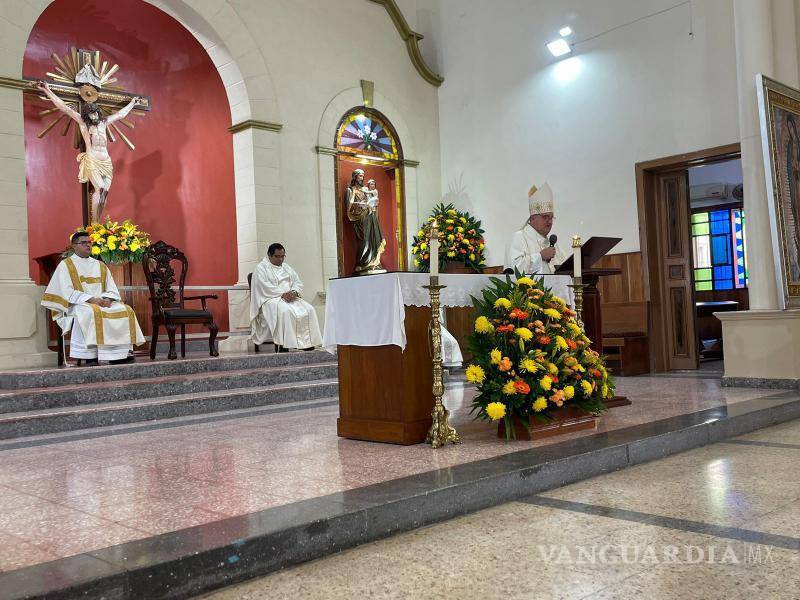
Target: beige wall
282, 61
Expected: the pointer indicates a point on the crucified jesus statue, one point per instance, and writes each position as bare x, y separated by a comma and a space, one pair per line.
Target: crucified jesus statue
94, 165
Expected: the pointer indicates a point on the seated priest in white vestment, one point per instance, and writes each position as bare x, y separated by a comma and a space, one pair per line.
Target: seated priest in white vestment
85, 300
533, 249
277, 312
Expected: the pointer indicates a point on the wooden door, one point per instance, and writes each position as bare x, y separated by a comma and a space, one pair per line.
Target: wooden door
677, 291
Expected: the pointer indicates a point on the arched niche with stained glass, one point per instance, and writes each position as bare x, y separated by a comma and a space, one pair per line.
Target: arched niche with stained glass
365, 133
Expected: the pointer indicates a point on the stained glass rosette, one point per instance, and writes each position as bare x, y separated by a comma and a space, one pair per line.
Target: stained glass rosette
366, 134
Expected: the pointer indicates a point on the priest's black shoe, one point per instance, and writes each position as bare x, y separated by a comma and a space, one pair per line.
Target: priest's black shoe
123, 361
91, 362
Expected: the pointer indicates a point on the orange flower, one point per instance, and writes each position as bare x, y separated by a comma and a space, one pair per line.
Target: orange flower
595, 373
505, 364
505, 328
522, 387
572, 345
543, 340
518, 314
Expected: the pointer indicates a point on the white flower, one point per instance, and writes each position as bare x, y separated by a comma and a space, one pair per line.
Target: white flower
373, 136
367, 129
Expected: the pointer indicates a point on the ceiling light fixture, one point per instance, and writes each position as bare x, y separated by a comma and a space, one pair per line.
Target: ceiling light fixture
559, 48
565, 31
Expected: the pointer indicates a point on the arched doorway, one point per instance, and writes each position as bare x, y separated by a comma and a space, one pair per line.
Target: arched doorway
365, 139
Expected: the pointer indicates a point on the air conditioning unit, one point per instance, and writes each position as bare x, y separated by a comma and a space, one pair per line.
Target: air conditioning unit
708, 191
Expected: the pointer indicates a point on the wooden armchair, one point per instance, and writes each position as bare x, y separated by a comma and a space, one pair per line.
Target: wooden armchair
168, 309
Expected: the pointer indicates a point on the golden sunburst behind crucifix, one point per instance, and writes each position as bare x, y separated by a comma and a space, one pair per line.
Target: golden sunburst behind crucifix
82, 76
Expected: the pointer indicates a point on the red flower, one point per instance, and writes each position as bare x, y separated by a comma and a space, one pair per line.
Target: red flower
554, 378
578, 376
522, 387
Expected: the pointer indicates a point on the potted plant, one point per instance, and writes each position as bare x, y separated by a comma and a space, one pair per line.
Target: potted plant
461, 243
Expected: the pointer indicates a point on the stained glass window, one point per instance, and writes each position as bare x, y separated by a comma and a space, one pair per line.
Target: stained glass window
719, 249
365, 133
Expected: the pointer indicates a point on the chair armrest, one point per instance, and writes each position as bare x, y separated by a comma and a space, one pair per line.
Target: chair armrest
202, 299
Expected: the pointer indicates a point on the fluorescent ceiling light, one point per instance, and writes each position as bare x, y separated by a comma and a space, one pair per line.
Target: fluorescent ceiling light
565, 31
559, 48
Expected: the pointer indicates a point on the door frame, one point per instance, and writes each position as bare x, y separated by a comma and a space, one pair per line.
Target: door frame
647, 198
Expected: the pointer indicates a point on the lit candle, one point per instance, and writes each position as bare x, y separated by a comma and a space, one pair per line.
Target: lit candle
576, 256
434, 241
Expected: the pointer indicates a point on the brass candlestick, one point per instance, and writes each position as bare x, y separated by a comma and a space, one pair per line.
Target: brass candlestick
440, 432
577, 287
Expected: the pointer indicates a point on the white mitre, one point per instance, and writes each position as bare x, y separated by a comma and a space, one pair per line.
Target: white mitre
540, 200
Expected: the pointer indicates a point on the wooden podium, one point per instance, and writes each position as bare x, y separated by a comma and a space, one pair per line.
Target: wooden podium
592, 251
386, 394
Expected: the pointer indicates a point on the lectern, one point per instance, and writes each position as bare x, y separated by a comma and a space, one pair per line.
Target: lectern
592, 250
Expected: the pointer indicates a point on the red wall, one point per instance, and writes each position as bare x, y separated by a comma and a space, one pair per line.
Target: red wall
178, 183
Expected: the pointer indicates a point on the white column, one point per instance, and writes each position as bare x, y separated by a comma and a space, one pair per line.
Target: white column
755, 54
259, 217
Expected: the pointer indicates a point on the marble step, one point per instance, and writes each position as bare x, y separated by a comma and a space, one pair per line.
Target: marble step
13, 401
144, 368
76, 418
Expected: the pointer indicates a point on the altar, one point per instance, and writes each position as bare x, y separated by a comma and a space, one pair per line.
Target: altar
378, 327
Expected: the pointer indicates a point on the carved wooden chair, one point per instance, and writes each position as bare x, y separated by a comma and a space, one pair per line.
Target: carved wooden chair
168, 308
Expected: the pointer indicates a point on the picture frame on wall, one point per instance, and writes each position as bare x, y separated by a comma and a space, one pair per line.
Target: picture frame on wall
779, 116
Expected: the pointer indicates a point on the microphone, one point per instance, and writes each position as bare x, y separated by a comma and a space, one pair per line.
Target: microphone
552, 239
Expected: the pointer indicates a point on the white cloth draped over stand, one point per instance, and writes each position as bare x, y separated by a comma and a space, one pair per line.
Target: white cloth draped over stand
370, 310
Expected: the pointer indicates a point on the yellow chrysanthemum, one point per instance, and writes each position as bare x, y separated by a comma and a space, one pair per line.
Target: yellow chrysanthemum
574, 328
482, 325
546, 382
552, 368
540, 404
423, 246
526, 364
112, 246
587, 387
451, 254
561, 342
496, 356
579, 368
452, 212
525, 281
420, 234
451, 237
475, 374
496, 410
552, 313
604, 390
449, 221
414, 249
509, 389
523, 333
560, 301
472, 257
569, 392
95, 250
502, 303
416, 262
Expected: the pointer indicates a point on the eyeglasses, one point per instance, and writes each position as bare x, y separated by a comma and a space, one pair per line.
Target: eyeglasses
84, 243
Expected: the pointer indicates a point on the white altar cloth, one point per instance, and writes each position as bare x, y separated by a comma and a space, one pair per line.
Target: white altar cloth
370, 310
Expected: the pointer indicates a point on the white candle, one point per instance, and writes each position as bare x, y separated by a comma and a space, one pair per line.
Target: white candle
576, 256
434, 242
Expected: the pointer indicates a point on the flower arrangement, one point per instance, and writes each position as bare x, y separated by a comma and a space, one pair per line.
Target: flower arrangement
116, 243
531, 356
460, 239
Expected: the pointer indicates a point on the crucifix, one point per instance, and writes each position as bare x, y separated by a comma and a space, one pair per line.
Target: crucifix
83, 92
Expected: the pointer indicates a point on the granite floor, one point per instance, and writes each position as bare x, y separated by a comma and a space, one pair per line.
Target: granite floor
66, 494
722, 521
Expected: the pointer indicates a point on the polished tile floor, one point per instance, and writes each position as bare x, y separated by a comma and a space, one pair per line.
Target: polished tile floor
60, 498
722, 521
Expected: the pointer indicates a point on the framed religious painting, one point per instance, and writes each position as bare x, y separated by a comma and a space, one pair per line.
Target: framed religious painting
779, 112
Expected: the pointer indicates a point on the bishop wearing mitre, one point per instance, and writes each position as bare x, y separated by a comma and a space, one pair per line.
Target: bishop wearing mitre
277, 311
85, 300
533, 249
